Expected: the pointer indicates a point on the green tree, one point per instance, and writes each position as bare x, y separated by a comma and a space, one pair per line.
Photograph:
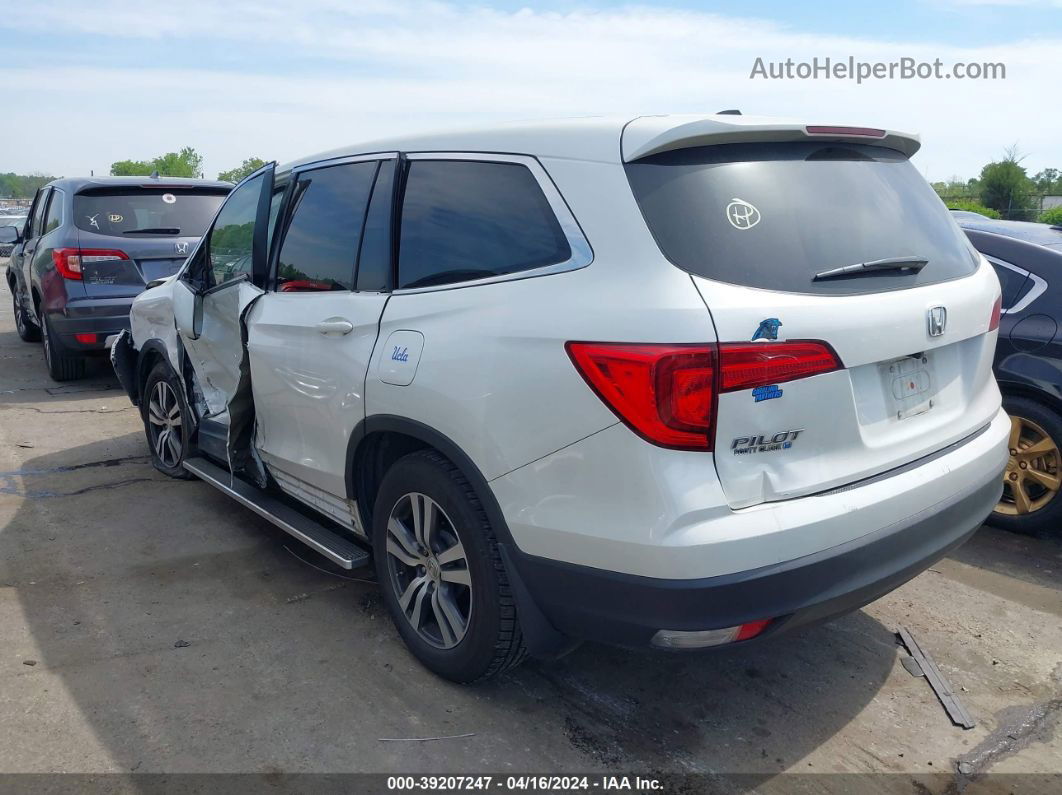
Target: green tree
1052, 216
22, 186
1048, 181
972, 206
131, 168
1006, 187
186, 163
248, 166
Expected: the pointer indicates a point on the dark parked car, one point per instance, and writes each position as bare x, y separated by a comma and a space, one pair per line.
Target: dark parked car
1028, 365
88, 247
10, 220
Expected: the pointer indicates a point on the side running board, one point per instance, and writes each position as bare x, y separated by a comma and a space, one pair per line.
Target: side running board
332, 545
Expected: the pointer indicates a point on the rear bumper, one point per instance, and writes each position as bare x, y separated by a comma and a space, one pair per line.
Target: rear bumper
102, 317
627, 610
797, 561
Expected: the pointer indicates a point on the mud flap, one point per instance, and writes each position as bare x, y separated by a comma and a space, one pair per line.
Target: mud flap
124, 360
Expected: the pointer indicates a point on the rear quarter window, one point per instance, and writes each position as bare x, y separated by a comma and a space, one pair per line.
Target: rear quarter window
121, 212
464, 220
773, 215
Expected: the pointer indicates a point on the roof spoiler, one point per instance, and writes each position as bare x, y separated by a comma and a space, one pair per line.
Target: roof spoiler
651, 135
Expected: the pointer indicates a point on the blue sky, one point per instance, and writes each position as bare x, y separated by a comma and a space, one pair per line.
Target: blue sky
106, 80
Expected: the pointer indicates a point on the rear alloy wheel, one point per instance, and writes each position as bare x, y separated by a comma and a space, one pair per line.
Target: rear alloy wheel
1033, 477
62, 366
28, 331
166, 422
440, 570
429, 571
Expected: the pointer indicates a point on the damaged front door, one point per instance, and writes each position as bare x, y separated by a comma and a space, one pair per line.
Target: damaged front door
223, 278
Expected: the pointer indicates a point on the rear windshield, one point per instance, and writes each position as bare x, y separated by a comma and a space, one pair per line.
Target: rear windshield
774, 215
134, 211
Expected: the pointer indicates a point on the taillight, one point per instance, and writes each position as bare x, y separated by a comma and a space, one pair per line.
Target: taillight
69, 261
997, 310
744, 365
667, 393
663, 392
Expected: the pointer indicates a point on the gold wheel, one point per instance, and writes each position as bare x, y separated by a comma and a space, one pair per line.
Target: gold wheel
1031, 479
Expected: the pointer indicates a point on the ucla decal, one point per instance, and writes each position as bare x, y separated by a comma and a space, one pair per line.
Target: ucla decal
769, 392
400, 354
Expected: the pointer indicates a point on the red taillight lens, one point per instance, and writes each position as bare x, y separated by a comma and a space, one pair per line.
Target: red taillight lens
667, 393
69, 261
744, 365
663, 392
997, 310
751, 629
86, 338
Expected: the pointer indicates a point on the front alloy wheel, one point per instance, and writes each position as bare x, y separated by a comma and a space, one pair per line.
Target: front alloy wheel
164, 423
429, 571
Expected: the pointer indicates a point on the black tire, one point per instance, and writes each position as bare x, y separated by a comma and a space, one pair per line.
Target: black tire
492, 641
1048, 516
28, 331
62, 366
157, 420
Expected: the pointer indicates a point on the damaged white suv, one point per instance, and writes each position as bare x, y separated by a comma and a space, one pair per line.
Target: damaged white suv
664, 381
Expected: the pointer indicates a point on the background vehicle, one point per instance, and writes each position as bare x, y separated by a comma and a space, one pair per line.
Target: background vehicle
10, 220
89, 247
503, 361
1028, 365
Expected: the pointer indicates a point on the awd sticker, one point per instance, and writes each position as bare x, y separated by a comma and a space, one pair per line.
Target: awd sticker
770, 392
747, 445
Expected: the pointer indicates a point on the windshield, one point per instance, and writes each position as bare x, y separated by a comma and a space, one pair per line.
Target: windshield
126, 212
774, 215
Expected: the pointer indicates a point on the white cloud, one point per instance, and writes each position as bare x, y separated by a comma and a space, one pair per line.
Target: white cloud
388, 67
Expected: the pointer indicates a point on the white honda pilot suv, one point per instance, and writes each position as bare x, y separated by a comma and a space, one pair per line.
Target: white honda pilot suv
664, 381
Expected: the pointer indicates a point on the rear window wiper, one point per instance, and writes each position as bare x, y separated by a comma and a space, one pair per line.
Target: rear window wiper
913, 264
154, 230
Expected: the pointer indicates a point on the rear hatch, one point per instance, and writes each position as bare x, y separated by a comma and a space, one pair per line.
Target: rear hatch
754, 223
130, 235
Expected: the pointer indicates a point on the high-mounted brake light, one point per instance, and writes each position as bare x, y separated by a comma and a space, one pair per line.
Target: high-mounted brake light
997, 310
859, 132
69, 261
667, 393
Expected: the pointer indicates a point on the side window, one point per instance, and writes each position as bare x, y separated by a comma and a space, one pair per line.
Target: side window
229, 249
374, 262
36, 220
320, 245
1012, 283
54, 216
464, 220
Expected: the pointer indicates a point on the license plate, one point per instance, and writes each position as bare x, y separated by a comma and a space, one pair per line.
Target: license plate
908, 384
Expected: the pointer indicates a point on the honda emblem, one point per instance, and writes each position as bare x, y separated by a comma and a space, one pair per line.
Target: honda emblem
937, 319
181, 247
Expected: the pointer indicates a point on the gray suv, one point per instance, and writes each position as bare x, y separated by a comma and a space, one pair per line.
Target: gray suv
88, 247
